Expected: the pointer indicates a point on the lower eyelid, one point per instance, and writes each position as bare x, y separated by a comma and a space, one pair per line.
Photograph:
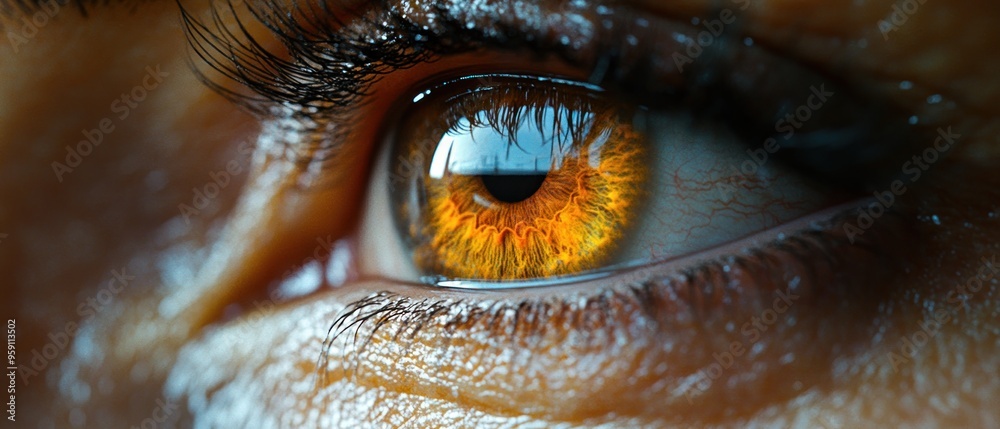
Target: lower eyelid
663, 322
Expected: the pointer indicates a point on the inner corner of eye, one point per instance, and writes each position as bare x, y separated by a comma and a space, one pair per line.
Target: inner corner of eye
509, 177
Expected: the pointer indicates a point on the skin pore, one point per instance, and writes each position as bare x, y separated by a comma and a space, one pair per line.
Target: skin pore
132, 290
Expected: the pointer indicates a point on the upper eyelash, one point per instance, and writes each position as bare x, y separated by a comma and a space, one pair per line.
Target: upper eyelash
331, 63
565, 128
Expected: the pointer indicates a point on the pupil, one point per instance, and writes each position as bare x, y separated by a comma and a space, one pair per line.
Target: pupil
511, 188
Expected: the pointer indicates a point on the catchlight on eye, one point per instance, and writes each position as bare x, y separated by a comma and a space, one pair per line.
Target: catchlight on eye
511, 177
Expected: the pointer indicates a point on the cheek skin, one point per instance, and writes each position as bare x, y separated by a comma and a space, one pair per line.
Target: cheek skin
103, 216
119, 210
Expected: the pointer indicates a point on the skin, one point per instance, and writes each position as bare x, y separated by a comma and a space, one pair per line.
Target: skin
65, 240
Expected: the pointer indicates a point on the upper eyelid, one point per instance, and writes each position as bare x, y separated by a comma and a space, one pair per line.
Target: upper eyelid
333, 64
323, 82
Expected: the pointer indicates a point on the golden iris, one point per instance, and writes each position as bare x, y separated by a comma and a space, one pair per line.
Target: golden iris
516, 178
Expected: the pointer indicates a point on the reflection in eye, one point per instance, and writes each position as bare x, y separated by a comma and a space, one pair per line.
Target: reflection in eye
520, 179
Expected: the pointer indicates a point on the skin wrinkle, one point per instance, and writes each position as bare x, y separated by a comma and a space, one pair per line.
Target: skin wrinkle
950, 253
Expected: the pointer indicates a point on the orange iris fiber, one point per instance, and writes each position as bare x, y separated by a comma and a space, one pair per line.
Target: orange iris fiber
571, 223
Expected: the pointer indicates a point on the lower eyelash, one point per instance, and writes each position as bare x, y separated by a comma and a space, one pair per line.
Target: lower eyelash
714, 291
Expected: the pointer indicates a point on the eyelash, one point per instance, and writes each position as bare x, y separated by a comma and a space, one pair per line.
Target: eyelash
323, 83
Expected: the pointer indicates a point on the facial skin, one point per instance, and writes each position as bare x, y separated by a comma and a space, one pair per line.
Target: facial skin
147, 289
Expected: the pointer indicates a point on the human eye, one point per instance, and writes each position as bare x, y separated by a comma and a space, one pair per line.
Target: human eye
558, 214
508, 177
529, 178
